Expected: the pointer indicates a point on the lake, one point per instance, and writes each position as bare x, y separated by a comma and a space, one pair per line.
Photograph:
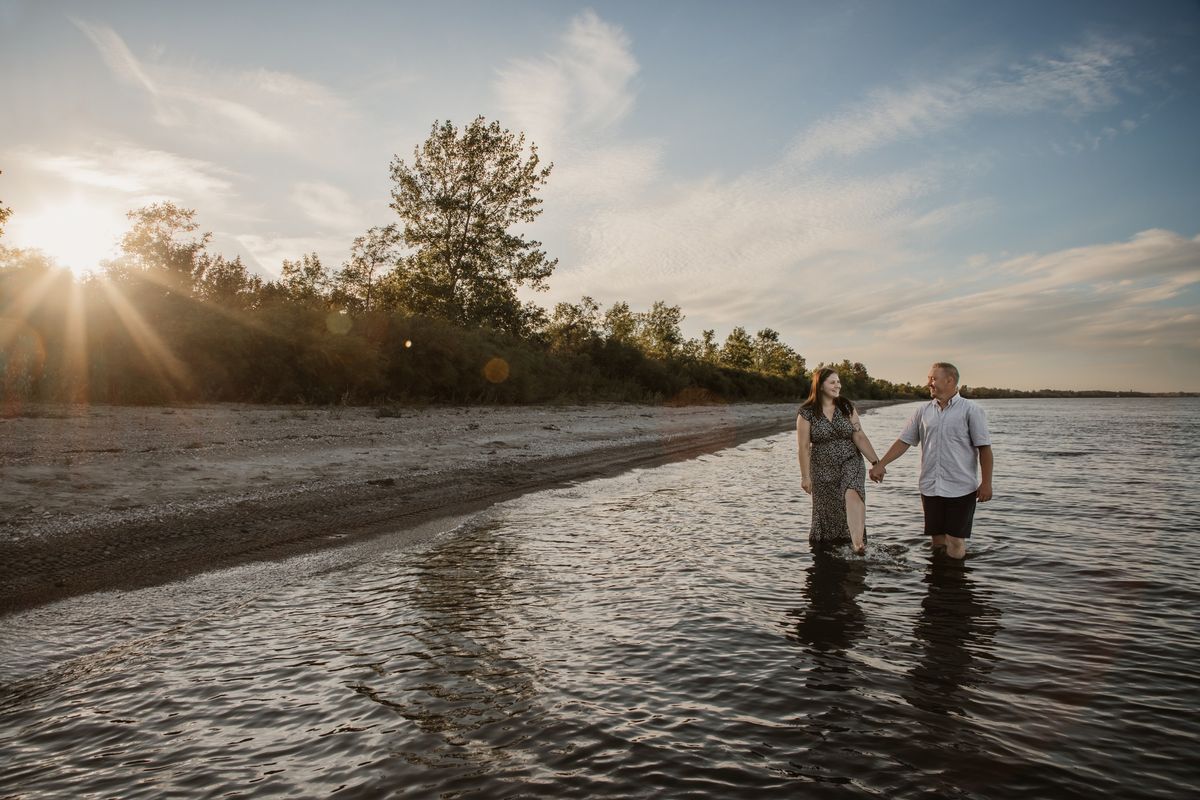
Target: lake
667, 633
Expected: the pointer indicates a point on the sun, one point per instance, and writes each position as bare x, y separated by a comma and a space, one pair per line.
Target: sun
76, 232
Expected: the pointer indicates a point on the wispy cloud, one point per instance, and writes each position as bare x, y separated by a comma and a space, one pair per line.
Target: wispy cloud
779, 237
1118, 294
263, 106
581, 87
570, 102
141, 174
269, 252
329, 206
117, 55
1083, 79
1148, 255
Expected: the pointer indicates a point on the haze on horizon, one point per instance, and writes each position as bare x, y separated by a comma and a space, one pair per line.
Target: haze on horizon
1012, 188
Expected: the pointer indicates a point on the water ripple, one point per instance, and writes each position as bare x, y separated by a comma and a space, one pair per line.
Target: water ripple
665, 633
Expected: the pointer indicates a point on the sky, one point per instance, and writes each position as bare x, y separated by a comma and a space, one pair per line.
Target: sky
1013, 187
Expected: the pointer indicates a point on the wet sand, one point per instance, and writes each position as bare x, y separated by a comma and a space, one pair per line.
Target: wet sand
107, 497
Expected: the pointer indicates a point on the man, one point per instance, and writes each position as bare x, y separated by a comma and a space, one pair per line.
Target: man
953, 435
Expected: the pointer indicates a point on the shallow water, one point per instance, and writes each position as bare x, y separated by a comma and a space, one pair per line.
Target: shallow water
667, 633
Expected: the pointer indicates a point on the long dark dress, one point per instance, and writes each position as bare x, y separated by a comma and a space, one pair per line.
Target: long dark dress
836, 466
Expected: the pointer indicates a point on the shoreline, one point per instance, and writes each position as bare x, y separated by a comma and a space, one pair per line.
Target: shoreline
116, 497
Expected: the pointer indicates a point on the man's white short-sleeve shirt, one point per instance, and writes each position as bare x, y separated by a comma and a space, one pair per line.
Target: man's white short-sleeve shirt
948, 437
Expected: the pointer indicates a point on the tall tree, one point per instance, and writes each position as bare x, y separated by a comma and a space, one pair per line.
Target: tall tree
459, 200
573, 325
305, 282
375, 250
658, 330
709, 351
773, 356
228, 283
738, 350
158, 247
620, 325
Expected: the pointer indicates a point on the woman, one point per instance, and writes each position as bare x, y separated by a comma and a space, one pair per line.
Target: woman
832, 446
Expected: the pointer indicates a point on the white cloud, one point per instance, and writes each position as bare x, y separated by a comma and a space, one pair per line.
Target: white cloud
777, 233
269, 252
1083, 80
329, 206
263, 106
580, 89
117, 55
1099, 297
604, 175
140, 173
1148, 254
570, 103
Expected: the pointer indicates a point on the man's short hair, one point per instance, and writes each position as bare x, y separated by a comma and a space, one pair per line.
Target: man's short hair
948, 368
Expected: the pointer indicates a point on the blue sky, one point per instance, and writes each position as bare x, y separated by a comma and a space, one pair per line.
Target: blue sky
1009, 186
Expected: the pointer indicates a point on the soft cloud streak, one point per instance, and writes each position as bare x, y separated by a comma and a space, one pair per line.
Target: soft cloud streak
269, 252
266, 106
142, 174
1084, 79
1113, 295
582, 87
329, 206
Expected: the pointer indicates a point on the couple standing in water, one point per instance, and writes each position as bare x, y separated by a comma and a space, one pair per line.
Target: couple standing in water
954, 439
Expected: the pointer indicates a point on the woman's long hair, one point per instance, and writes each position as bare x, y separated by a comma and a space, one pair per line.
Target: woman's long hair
814, 393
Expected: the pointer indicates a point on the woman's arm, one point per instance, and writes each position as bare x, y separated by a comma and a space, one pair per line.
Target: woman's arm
804, 445
861, 441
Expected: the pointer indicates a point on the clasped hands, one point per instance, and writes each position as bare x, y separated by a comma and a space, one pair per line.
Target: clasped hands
877, 472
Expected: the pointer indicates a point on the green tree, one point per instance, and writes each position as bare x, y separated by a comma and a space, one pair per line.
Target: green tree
305, 282
772, 356
738, 350
227, 283
574, 325
620, 325
658, 330
459, 200
709, 351
158, 248
376, 250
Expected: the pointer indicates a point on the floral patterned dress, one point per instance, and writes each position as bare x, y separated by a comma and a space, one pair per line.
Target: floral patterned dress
836, 466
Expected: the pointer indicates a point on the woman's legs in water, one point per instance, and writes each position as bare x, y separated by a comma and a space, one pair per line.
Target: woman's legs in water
856, 520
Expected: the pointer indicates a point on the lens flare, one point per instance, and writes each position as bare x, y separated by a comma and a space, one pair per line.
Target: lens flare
338, 322
496, 370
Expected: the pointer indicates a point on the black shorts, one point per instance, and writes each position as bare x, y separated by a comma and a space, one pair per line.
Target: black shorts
949, 516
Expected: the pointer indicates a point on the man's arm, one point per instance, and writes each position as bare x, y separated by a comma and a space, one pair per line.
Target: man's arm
898, 448
985, 467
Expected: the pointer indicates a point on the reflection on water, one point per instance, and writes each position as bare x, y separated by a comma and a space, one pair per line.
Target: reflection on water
830, 619
955, 633
662, 633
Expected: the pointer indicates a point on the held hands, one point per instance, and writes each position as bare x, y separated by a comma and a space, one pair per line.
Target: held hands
877, 472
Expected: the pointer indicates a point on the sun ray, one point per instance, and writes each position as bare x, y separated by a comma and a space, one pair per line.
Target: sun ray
169, 369
29, 299
76, 378
21, 346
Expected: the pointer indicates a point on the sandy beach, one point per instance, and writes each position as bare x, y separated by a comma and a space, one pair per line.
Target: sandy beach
108, 497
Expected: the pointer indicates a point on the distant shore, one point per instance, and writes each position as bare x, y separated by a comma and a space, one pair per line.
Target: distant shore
110, 497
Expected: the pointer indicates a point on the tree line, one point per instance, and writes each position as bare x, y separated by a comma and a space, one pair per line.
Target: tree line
423, 310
